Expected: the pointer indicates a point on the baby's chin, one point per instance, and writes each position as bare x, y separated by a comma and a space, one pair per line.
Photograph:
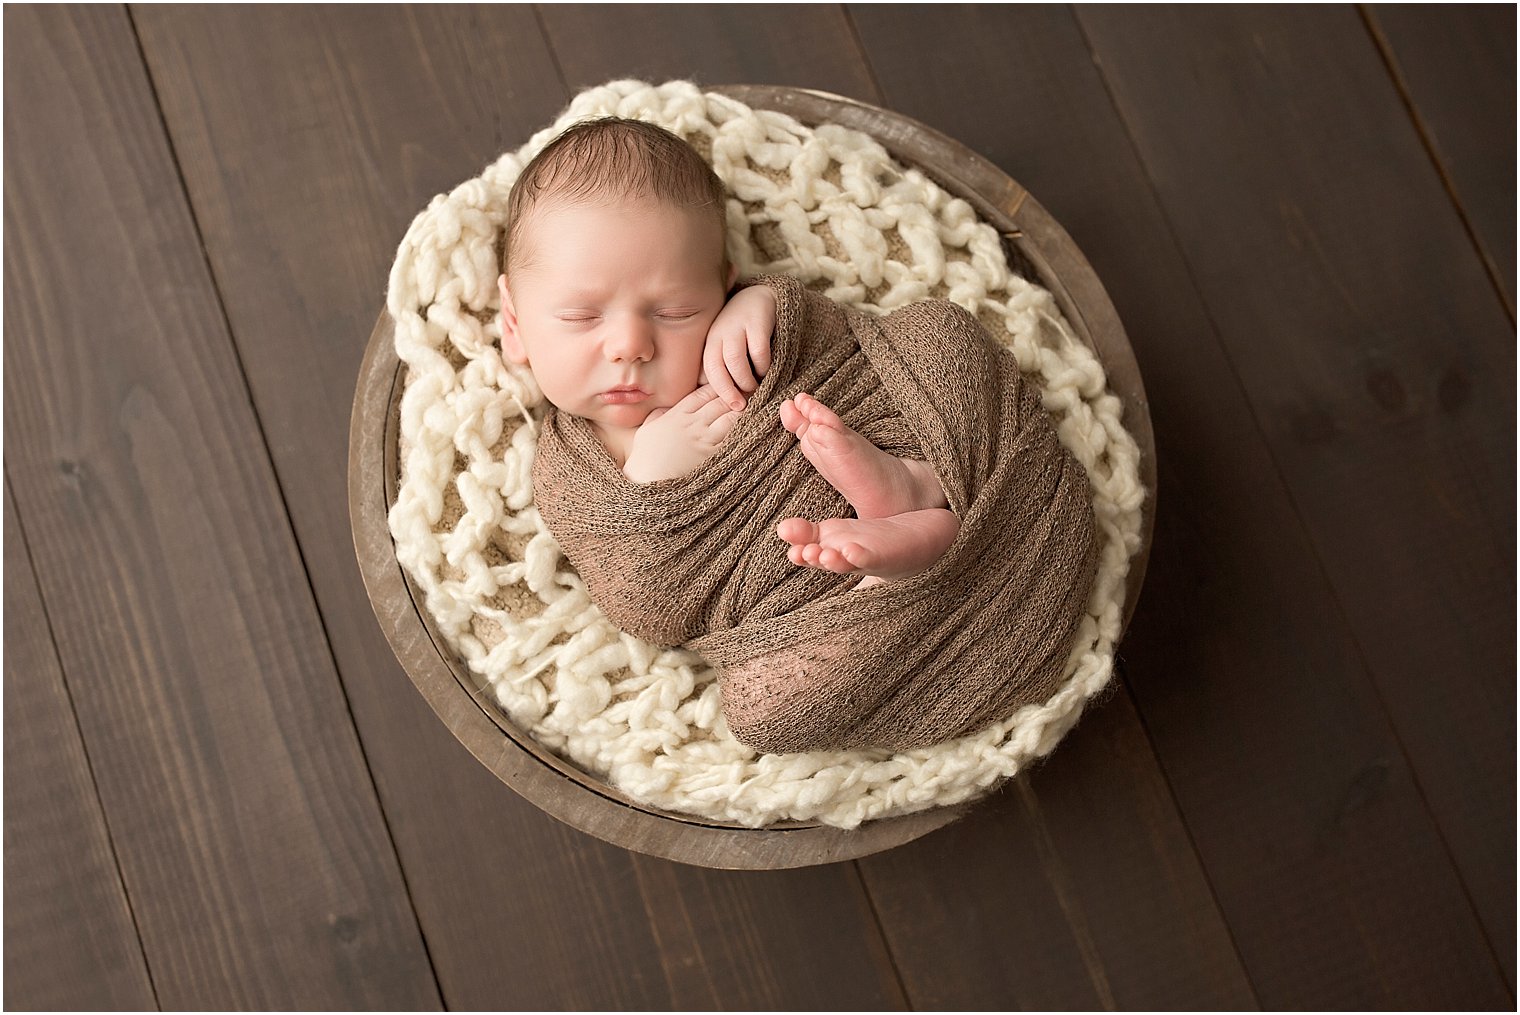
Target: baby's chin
623, 417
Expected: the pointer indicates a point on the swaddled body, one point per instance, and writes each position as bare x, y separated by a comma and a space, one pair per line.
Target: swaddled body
807, 660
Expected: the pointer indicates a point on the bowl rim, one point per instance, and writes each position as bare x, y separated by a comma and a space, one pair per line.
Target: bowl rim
1035, 243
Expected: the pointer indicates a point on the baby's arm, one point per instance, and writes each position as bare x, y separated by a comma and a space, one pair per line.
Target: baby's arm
740, 337
671, 442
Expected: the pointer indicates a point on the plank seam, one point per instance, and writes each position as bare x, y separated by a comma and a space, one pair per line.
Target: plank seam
1203, 869
280, 491
543, 32
84, 745
1059, 880
1318, 558
1427, 140
886, 941
880, 94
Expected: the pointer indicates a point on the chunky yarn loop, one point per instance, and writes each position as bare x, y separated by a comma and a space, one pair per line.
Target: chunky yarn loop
830, 207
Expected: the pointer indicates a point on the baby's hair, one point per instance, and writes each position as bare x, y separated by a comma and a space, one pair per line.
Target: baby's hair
614, 157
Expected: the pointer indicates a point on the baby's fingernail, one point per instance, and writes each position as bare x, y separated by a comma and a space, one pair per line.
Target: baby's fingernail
737, 404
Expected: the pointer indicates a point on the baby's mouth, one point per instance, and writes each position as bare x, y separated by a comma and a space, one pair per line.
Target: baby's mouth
624, 394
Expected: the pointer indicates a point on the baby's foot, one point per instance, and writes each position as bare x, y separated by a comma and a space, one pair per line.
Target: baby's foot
876, 484
886, 548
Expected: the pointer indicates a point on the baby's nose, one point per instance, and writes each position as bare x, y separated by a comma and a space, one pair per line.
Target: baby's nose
632, 338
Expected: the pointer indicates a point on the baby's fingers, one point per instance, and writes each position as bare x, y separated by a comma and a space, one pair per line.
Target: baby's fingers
760, 352
696, 399
715, 410
716, 372
723, 425
736, 358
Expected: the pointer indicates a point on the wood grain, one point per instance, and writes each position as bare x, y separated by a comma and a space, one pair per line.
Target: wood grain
1075, 888
1378, 361
371, 113
245, 823
68, 923
772, 940
801, 45
1456, 66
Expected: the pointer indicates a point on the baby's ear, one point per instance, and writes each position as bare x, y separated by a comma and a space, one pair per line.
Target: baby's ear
511, 340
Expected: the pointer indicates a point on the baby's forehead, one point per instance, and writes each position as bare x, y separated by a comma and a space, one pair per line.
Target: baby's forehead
536, 232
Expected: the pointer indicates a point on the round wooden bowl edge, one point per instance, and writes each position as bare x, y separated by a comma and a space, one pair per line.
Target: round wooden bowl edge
578, 798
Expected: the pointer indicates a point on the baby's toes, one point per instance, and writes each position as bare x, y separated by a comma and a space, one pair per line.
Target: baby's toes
817, 412
797, 531
858, 556
832, 560
790, 416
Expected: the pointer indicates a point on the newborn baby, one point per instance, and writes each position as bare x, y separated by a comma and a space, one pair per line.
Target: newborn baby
614, 292
685, 437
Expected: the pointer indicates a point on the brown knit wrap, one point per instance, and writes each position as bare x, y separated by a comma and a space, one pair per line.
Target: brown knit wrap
808, 662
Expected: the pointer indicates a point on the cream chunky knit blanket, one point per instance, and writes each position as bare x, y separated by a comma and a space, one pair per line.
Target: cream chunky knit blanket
807, 663
827, 206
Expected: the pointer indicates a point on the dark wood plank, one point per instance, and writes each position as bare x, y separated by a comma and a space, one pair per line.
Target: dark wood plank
803, 45
1310, 818
1386, 394
68, 924
785, 940
1075, 888
390, 107
249, 839
1456, 64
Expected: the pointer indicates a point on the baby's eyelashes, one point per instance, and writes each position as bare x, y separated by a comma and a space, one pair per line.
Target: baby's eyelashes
584, 316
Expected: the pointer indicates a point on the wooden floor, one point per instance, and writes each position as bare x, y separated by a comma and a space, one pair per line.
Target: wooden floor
222, 792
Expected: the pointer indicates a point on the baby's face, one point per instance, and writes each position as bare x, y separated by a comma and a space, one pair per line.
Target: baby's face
613, 296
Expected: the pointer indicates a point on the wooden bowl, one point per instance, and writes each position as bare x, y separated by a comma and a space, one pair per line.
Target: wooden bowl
1037, 247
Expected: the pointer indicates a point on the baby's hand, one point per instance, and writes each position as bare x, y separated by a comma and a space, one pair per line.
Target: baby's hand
740, 336
671, 442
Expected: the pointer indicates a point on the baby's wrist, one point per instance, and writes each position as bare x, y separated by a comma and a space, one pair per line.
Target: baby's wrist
635, 472
639, 470
758, 294
750, 294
